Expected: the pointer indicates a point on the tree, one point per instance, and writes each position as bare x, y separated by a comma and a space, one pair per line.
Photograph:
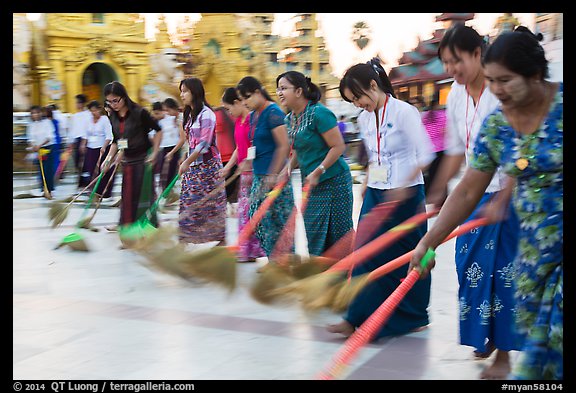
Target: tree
361, 34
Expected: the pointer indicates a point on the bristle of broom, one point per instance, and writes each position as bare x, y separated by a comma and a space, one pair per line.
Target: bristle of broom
57, 211
309, 267
271, 278
217, 265
24, 196
166, 261
322, 300
77, 245
84, 223
320, 285
117, 203
172, 197
348, 291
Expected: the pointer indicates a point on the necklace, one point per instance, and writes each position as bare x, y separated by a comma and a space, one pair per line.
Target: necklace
523, 162
301, 121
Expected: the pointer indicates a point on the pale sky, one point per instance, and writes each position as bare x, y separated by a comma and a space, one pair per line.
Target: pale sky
392, 33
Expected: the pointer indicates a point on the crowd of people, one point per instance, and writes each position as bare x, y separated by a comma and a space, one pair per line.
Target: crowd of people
502, 120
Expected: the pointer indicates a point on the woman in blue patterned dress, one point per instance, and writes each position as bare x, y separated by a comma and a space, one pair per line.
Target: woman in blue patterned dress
524, 136
268, 153
200, 171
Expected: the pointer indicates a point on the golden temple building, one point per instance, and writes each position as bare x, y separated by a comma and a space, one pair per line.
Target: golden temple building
64, 54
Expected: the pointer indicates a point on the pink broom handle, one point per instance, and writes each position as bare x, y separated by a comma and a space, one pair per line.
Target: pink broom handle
375, 246
403, 259
370, 327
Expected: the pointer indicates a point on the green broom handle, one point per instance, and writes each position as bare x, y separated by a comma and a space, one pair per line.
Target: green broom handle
163, 195
91, 197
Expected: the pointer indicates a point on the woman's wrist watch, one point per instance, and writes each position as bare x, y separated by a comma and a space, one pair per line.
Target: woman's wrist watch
322, 168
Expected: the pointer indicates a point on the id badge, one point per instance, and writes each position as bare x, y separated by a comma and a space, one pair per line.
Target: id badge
251, 153
379, 173
122, 143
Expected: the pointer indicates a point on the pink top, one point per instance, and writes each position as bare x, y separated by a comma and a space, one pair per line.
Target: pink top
435, 123
241, 137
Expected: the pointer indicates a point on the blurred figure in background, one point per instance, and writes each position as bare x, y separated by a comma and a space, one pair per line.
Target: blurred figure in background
227, 145
40, 134
434, 119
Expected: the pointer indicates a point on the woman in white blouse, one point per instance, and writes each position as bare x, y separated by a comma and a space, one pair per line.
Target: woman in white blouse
96, 144
41, 135
398, 149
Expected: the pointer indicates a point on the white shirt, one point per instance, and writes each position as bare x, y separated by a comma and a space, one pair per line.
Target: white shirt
170, 131
78, 125
62, 122
404, 143
38, 131
98, 132
460, 129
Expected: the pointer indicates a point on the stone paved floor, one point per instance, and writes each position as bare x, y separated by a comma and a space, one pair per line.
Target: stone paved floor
104, 315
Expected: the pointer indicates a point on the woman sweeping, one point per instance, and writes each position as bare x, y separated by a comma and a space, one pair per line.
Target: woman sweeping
200, 171
317, 149
130, 126
251, 249
268, 151
398, 149
523, 136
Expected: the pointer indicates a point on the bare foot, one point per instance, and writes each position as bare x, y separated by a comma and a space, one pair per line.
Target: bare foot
343, 328
499, 369
485, 355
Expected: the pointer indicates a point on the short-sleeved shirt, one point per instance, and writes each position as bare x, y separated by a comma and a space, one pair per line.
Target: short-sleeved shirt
170, 131
261, 126
98, 133
310, 146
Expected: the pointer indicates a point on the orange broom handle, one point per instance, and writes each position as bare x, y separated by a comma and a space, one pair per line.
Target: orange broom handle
370, 327
404, 259
375, 246
250, 227
345, 244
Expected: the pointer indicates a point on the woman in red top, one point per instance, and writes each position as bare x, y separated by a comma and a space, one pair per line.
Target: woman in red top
226, 144
251, 249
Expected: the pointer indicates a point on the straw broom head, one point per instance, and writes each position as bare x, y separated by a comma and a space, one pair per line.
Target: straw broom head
348, 291
172, 198
270, 279
57, 213
74, 241
167, 261
312, 301
309, 267
311, 287
217, 265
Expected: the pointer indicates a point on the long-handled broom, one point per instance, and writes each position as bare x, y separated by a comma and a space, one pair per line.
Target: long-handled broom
86, 223
63, 161
317, 291
131, 234
41, 154
59, 211
218, 264
74, 240
281, 272
354, 285
276, 277
27, 195
364, 334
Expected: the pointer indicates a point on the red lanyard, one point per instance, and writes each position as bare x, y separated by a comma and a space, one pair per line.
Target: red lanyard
378, 126
469, 128
121, 127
